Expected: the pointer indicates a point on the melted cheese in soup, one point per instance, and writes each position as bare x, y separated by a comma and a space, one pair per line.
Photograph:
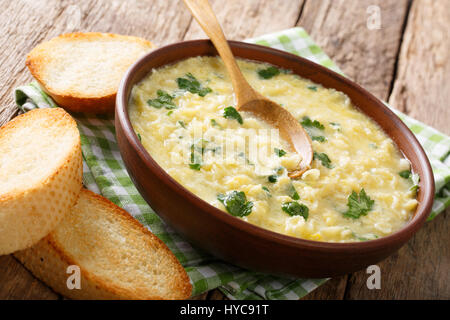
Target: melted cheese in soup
359, 186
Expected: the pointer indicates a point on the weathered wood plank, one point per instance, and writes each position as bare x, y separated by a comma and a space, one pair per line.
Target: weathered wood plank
23, 26
334, 289
419, 270
27, 23
17, 283
366, 55
422, 87
216, 294
245, 19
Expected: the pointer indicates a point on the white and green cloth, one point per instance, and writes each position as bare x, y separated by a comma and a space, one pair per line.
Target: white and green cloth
105, 173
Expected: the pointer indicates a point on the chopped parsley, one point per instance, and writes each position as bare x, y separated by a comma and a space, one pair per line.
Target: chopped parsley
279, 152
214, 123
236, 203
195, 166
267, 190
139, 137
279, 170
164, 100
247, 161
415, 179
232, 113
197, 150
196, 160
272, 178
406, 174
312, 88
191, 84
181, 123
361, 238
313, 128
358, 205
295, 209
318, 138
307, 122
293, 193
268, 73
323, 158
200, 145
170, 112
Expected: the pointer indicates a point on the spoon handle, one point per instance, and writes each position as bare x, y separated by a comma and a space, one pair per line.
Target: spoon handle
203, 13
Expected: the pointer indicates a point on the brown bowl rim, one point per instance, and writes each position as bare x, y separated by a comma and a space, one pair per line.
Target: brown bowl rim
426, 181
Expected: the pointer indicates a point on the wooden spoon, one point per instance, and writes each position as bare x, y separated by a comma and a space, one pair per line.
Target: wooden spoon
247, 98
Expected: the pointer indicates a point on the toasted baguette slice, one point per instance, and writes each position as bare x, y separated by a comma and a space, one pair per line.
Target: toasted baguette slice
118, 257
40, 175
82, 71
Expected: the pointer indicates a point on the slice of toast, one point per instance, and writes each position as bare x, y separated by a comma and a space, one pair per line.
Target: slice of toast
117, 257
82, 71
40, 175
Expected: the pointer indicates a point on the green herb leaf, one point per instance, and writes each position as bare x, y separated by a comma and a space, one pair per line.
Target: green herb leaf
313, 128
236, 203
405, 174
268, 73
307, 122
358, 205
232, 113
323, 157
267, 191
214, 123
199, 146
169, 113
313, 88
295, 209
181, 123
360, 238
139, 137
335, 126
197, 150
279, 152
196, 160
318, 138
195, 166
191, 84
164, 100
272, 178
293, 193
415, 179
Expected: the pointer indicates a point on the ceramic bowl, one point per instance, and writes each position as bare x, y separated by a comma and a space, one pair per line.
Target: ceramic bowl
233, 239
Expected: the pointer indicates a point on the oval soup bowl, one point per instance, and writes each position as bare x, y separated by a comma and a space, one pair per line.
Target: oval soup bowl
233, 239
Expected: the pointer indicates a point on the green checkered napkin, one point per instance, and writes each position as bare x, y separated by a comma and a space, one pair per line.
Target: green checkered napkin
104, 173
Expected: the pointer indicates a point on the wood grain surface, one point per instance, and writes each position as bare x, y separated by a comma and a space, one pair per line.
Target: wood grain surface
422, 86
405, 61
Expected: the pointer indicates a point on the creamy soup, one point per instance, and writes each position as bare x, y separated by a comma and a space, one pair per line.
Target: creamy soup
359, 186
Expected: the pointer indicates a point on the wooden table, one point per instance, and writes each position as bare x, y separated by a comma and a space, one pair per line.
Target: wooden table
406, 62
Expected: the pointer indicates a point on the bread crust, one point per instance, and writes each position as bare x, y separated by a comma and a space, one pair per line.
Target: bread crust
48, 260
29, 214
100, 103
